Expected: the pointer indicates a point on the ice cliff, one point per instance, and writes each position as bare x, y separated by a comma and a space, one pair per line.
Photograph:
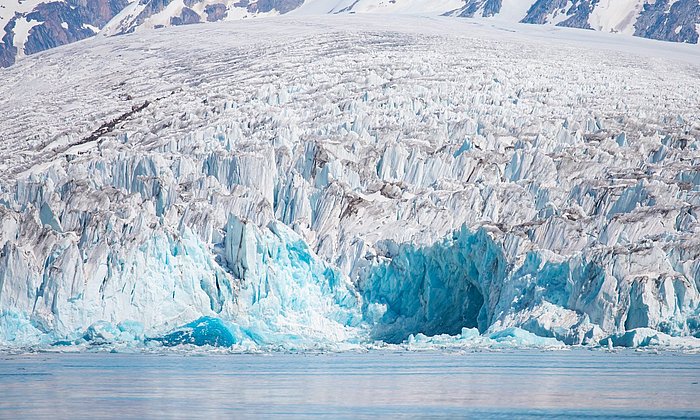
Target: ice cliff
338, 183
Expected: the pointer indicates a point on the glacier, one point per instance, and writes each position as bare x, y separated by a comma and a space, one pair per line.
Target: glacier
351, 182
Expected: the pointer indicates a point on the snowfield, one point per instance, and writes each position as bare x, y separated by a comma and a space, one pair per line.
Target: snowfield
300, 183
30, 26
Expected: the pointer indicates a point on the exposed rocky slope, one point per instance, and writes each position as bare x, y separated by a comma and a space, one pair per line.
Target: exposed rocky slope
28, 27
676, 21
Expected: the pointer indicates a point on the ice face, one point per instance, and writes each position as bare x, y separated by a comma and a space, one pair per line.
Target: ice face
378, 185
465, 281
435, 290
274, 291
286, 294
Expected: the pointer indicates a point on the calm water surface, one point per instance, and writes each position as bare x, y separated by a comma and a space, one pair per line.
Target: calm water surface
562, 384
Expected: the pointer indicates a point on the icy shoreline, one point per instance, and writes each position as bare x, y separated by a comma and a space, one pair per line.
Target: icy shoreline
210, 335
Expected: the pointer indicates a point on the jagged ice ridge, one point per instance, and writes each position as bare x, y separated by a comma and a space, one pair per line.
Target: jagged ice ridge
336, 183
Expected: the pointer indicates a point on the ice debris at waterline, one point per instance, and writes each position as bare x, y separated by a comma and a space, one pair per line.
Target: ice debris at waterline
341, 188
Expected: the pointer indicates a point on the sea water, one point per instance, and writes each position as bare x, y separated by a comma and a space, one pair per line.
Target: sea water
401, 384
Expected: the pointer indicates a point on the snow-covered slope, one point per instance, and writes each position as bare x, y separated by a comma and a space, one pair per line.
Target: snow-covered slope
675, 20
336, 180
672, 21
31, 26
151, 14
154, 14
418, 7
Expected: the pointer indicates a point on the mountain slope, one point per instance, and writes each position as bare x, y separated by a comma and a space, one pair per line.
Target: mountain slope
676, 21
33, 26
162, 13
28, 27
344, 179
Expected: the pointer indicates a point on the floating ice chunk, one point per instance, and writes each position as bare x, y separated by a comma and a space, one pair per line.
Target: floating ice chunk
205, 331
639, 337
517, 337
101, 332
468, 333
648, 337
470, 338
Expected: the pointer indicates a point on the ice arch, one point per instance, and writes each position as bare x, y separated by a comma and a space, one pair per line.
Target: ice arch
435, 290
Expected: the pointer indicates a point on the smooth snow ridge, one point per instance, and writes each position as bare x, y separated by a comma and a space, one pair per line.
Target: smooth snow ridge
416, 7
333, 182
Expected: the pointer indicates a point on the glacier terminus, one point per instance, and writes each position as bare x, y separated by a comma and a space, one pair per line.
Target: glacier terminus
351, 182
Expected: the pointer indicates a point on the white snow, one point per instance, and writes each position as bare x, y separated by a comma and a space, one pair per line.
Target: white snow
127, 19
22, 28
417, 7
238, 13
558, 16
10, 7
616, 15
321, 7
94, 29
513, 10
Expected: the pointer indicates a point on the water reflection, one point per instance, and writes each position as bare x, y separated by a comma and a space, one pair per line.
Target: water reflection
498, 385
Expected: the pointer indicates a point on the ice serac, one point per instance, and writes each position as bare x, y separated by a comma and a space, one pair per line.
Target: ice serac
286, 295
466, 281
258, 286
339, 187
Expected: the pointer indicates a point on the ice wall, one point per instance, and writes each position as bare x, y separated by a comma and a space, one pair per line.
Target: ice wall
441, 289
265, 284
394, 185
465, 281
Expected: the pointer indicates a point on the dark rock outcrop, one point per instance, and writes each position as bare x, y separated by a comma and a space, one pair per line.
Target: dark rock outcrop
542, 9
282, 6
215, 12
487, 8
58, 23
579, 15
187, 17
678, 24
